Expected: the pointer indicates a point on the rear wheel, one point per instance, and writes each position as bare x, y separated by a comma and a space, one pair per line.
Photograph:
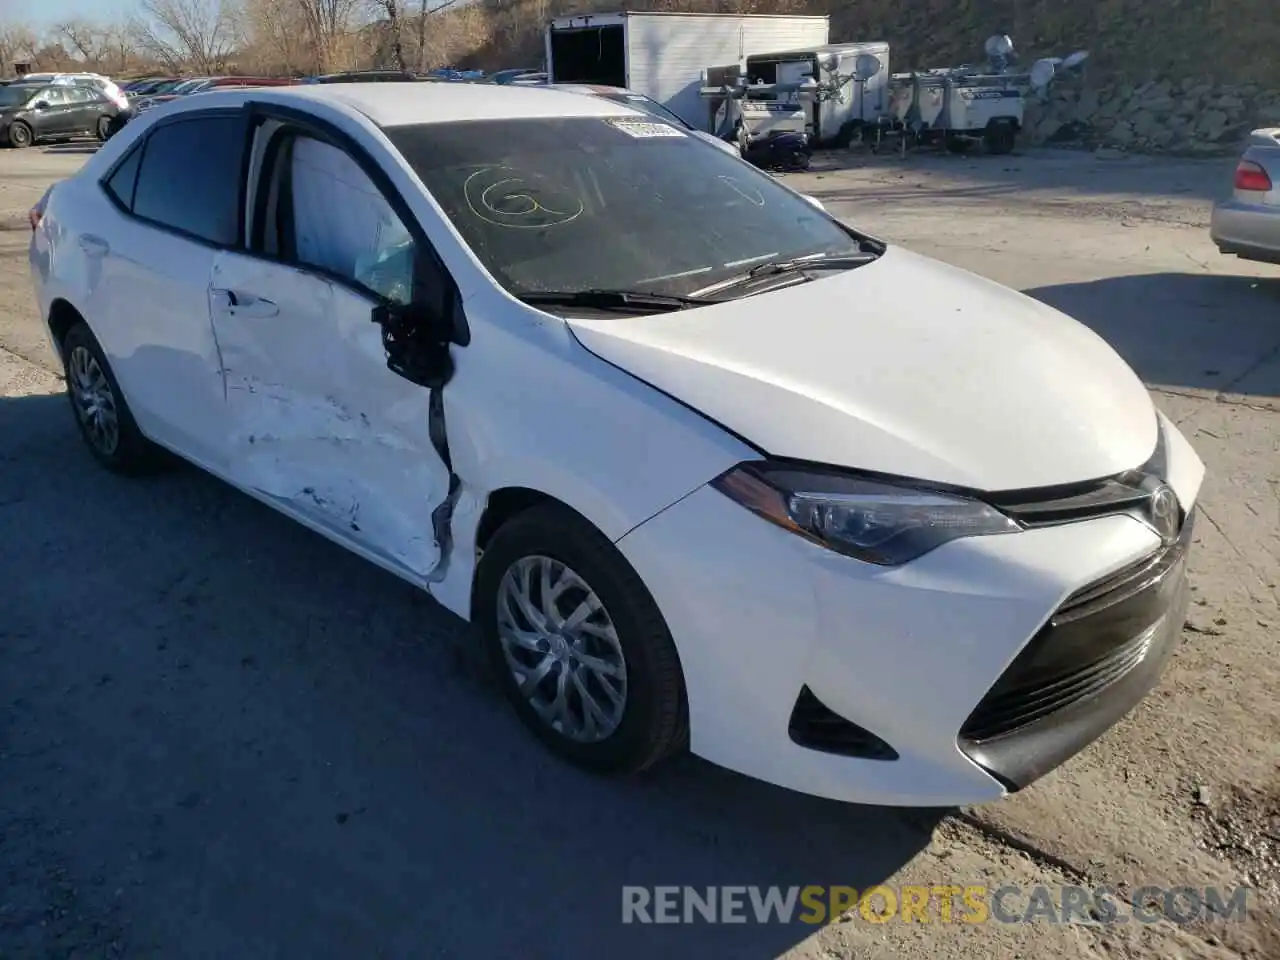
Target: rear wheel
848, 133
578, 643
105, 421
19, 134
1000, 137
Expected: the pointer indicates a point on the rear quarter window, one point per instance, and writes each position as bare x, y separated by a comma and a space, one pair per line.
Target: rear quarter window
119, 185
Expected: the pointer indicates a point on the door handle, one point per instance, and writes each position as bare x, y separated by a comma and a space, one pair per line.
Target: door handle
244, 304
94, 246
258, 308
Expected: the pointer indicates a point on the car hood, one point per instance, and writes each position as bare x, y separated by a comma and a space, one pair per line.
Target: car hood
905, 366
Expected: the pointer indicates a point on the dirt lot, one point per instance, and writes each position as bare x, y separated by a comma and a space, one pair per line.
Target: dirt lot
221, 736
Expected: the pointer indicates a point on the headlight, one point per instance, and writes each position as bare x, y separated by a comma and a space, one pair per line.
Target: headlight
871, 520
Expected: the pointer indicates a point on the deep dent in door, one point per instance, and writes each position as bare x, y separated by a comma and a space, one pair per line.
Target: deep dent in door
297, 443
292, 450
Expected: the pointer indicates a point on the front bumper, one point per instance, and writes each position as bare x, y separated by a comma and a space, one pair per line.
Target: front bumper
1246, 230
923, 685
1100, 653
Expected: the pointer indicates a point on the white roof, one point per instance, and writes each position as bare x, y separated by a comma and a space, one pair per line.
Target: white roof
399, 104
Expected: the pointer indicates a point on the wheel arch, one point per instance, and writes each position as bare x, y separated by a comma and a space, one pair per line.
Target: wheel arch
502, 505
62, 317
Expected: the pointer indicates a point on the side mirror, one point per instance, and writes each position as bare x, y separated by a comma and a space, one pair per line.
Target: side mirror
40, 105
416, 339
815, 202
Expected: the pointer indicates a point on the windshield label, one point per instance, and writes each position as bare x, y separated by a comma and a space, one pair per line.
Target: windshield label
644, 129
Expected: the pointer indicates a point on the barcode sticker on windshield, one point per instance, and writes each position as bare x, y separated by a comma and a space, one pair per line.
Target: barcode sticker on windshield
644, 129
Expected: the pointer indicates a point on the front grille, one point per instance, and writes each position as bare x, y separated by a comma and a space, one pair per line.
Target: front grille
1098, 635
818, 727
1022, 702
1042, 508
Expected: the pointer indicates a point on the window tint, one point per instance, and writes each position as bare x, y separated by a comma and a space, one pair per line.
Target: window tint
190, 177
120, 183
368, 244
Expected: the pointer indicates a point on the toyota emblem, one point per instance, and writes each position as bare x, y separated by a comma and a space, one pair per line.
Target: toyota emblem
1164, 510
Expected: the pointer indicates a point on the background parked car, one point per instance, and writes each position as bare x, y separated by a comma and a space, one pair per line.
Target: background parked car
30, 112
506, 76
104, 84
152, 86
364, 76
201, 84
1248, 224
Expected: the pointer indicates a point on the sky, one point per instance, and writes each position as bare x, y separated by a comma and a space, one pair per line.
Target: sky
42, 14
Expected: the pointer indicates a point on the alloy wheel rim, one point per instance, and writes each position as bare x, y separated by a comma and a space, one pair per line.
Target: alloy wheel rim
95, 402
562, 649
18, 134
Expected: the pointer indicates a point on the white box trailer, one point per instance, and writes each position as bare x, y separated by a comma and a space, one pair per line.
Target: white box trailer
663, 55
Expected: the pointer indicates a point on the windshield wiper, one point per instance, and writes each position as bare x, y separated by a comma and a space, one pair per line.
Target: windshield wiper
622, 301
774, 268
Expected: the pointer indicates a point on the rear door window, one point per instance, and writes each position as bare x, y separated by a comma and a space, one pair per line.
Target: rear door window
189, 180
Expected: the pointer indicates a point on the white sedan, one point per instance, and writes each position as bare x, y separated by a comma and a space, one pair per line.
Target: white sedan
704, 467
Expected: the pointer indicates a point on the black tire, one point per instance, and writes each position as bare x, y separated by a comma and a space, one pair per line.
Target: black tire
848, 133
132, 454
19, 135
654, 722
1000, 137
104, 128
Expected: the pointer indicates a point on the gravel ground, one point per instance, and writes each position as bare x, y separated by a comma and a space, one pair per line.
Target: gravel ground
221, 736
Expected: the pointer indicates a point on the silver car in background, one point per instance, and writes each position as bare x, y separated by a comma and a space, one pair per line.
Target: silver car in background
1248, 224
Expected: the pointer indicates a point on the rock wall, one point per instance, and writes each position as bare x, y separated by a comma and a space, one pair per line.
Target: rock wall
1184, 117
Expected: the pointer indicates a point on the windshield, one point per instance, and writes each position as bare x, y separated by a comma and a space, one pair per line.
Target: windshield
190, 86
652, 107
624, 202
16, 95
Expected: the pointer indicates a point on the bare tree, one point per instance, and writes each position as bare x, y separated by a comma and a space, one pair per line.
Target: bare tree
394, 27
202, 33
16, 41
82, 37
115, 48
278, 36
326, 21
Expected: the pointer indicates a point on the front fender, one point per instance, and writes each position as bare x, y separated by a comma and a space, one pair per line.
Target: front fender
529, 407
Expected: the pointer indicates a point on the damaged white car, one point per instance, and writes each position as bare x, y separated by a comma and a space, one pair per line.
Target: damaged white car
671, 437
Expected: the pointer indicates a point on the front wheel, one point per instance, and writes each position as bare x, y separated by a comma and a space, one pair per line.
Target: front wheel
19, 134
797, 162
579, 645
